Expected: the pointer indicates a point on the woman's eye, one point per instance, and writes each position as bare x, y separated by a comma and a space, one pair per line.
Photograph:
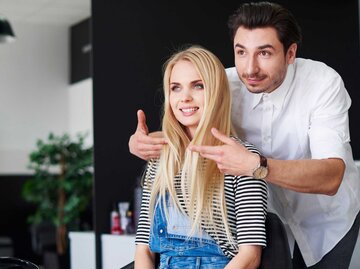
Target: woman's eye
199, 86
175, 88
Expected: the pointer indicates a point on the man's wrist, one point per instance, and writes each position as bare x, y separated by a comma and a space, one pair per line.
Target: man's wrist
261, 170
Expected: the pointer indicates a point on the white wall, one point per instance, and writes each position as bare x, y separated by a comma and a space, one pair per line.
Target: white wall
35, 95
81, 109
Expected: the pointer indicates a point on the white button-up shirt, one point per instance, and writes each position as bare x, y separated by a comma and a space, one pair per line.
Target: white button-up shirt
306, 117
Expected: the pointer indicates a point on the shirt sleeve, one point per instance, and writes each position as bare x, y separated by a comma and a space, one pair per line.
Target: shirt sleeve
143, 228
329, 134
250, 207
250, 147
250, 210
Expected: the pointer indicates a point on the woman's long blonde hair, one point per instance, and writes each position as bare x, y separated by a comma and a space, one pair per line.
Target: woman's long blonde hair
202, 184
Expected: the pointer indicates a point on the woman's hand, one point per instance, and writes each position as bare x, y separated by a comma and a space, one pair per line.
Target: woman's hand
249, 257
144, 258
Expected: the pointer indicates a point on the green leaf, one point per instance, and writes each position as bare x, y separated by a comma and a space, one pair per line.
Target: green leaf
59, 163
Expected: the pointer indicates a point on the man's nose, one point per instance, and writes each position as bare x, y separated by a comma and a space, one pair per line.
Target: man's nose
252, 66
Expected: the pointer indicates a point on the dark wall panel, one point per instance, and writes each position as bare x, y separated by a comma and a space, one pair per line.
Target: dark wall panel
131, 40
14, 212
80, 51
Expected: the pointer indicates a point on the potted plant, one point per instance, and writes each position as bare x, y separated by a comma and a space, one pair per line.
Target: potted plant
61, 187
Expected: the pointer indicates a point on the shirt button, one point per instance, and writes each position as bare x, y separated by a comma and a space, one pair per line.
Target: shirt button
161, 231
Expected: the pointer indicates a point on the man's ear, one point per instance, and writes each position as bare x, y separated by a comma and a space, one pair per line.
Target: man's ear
291, 53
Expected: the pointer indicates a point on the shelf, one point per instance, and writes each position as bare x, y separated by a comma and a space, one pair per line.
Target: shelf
117, 250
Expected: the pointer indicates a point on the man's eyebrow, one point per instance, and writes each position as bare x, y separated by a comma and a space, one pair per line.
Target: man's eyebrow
237, 45
266, 46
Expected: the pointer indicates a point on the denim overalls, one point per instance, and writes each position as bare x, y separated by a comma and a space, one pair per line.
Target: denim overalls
177, 250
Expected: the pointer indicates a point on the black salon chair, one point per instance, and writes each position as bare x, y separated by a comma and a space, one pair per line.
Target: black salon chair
277, 252
128, 266
15, 263
276, 255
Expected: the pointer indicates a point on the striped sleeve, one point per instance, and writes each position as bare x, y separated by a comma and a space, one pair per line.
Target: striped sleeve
250, 210
143, 228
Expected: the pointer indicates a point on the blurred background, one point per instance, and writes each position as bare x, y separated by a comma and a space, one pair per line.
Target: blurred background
82, 66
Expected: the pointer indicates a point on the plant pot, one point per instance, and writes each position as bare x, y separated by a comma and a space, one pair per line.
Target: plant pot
52, 260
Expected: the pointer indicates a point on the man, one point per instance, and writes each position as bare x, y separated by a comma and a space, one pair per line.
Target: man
296, 112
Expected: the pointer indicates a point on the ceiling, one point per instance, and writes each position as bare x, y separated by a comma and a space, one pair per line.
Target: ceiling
54, 12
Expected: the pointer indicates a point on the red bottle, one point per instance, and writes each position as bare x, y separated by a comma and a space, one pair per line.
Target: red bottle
115, 222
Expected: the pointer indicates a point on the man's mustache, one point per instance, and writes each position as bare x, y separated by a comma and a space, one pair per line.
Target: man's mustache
253, 76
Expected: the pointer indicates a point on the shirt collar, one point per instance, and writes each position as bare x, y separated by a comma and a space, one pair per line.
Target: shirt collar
277, 97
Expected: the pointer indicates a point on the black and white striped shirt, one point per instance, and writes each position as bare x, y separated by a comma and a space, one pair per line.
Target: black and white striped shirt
246, 205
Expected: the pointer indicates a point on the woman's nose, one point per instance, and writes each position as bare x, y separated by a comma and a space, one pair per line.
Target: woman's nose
186, 95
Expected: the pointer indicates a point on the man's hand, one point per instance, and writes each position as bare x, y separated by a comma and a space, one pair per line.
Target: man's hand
144, 145
232, 158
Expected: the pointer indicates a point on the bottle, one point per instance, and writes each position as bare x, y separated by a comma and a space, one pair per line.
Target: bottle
130, 229
115, 221
123, 208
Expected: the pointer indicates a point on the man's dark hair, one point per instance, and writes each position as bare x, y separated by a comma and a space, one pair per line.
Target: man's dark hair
266, 14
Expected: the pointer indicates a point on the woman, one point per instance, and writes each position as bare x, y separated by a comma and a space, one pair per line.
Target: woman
191, 214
